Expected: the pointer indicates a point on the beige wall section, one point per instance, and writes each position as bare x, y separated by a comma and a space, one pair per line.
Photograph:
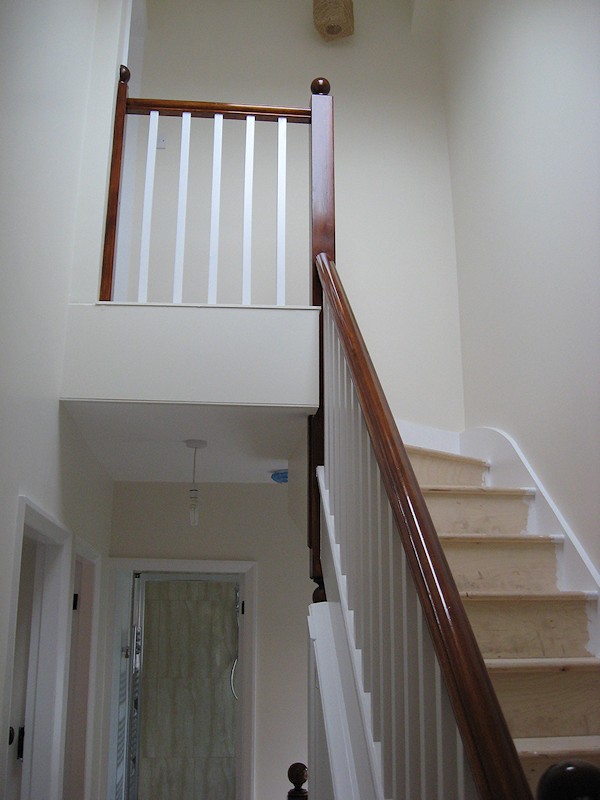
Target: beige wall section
524, 128
248, 522
394, 214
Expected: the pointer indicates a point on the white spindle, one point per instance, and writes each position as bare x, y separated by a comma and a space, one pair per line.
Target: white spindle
215, 210
411, 684
429, 761
184, 162
385, 669
281, 207
398, 676
147, 208
247, 233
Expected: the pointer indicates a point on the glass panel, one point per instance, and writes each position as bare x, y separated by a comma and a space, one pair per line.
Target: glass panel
187, 706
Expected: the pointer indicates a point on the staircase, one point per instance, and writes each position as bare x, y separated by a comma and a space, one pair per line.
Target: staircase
534, 638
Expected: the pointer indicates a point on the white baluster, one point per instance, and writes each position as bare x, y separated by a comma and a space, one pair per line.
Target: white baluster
387, 639
411, 684
429, 761
147, 208
215, 210
184, 161
281, 207
247, 234
398, 676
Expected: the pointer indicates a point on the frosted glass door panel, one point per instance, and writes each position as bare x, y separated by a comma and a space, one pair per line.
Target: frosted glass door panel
187, 707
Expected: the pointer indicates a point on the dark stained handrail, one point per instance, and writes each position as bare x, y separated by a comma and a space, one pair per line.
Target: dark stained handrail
175, 108
114, 186
489, 747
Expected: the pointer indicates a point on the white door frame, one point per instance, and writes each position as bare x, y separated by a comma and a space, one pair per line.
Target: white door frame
122, 577
47, 677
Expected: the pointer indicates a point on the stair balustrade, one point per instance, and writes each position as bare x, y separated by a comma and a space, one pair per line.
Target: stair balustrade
427, 702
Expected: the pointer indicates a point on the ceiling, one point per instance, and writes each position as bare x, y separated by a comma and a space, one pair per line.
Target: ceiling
145, 441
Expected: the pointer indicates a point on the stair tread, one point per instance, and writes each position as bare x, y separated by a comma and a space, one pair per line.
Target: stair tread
557, 745
441, 454
542, 664
525, 596
503, 538
479, 491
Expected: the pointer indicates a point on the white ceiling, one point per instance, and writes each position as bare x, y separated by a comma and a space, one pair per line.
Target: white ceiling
145, 441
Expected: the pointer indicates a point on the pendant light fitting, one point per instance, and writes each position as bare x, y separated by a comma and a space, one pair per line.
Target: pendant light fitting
195, 445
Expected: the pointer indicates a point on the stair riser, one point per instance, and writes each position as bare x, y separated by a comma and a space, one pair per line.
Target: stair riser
498, 567
432, 471
476, 514
522, 629
563, 703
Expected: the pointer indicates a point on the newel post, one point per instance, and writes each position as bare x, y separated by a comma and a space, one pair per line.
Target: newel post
573, 779
114, 183
297, 774
322, 241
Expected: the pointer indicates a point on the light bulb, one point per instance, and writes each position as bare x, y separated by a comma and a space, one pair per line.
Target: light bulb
194, 506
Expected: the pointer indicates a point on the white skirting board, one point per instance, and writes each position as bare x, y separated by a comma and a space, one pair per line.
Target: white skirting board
348, 763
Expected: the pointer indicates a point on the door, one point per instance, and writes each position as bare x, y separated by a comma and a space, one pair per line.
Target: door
184, 712
21, 661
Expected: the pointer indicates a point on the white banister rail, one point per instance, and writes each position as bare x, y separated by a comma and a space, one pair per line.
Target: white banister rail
147, 208
215, 210
281, 206
417, 749
184, 168
248, 188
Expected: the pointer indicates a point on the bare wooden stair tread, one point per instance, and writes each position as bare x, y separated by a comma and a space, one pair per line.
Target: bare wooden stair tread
563, 664
502, 539
541, 597
479, 491
558, 746
445, 456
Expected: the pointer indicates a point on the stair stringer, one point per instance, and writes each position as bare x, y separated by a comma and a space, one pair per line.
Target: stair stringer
354, 755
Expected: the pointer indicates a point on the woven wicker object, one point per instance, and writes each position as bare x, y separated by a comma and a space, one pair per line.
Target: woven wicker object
334, 19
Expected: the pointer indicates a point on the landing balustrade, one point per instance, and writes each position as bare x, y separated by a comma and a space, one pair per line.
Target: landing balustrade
162, 242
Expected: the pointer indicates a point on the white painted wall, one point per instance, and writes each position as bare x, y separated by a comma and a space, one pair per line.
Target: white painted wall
248, 522
46, 51
523, 101
394, 213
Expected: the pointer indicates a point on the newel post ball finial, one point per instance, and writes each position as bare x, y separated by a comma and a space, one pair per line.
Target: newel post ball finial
320, 86
124, 74
298, 774
573, 779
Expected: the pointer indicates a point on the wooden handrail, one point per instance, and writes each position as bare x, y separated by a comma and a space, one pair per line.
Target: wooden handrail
114, 185
175, 108
488, 744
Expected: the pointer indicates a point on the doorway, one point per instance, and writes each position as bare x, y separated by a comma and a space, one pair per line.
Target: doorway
40, 656
183, 726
